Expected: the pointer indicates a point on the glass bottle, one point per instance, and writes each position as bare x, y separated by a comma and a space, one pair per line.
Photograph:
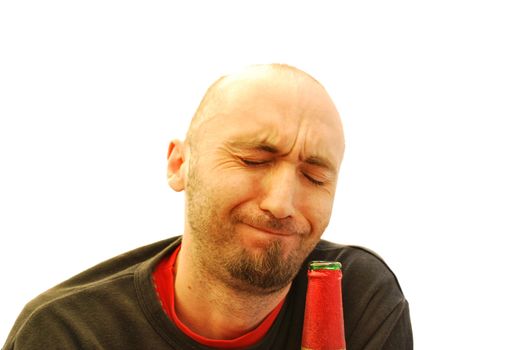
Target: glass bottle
323, 326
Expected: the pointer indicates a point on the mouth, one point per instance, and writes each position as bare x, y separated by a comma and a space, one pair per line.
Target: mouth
270, 231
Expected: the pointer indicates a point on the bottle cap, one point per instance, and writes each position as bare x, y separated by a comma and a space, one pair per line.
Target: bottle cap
324, 265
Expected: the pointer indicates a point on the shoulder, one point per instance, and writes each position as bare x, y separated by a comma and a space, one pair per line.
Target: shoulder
102, 287
358, 262
376, 311
103, 274
365, 274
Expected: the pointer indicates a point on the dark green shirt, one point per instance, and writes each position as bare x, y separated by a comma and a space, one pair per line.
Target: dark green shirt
114, 306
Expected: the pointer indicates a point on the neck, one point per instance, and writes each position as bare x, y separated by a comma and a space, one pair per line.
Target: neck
213, 309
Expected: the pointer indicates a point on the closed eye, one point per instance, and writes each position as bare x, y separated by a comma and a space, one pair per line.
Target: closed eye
253, 163
313, 180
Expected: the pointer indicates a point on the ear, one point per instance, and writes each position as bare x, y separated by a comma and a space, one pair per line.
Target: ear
176, 165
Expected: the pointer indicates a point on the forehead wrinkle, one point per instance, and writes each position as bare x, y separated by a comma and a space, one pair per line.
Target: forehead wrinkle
320, 147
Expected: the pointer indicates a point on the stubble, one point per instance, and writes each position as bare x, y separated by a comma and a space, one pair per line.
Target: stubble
219, 253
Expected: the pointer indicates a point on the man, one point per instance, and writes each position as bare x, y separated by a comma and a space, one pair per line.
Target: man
259, 168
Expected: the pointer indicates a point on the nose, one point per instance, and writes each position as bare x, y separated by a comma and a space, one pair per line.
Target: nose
279, 186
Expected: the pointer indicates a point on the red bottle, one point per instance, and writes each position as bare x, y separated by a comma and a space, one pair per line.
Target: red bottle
323, 327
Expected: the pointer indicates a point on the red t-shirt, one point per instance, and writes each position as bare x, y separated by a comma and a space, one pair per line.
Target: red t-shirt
163, 277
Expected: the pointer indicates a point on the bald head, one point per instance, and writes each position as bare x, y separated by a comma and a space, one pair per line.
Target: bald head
220, 91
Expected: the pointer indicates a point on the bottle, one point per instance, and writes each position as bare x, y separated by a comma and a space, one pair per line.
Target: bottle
323, 326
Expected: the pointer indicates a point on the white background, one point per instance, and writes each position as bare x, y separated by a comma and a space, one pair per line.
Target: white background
431, 97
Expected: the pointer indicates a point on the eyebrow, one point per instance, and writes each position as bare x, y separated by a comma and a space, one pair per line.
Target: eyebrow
258, 146
315, 160
320, 162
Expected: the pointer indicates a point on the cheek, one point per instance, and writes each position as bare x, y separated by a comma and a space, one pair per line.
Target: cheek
235, 188
317, 210
321, 220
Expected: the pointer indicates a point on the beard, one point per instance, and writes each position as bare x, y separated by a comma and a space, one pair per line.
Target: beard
218, 250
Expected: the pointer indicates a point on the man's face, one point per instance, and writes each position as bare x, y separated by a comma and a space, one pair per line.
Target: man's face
262, 179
